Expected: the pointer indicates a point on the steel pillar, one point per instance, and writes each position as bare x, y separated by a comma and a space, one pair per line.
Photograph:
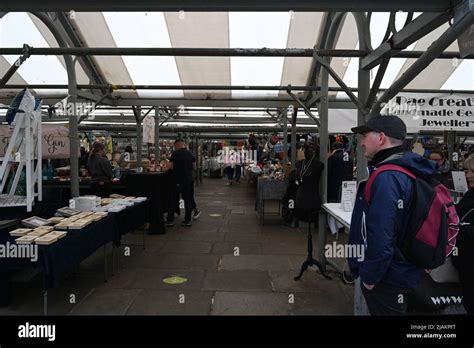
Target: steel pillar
72, 90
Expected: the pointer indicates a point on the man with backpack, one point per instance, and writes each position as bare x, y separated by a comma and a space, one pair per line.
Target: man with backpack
382, 218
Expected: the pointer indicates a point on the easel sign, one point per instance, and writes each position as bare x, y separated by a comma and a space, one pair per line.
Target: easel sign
348, 195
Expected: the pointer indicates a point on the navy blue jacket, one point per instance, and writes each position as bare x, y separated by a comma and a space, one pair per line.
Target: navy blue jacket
380, 226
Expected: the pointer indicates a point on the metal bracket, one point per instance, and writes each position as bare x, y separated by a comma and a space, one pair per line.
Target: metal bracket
413, 31
436, 48
377, 82
98, 102
169, 115
316, 98
12, 70
275, 118
341, 83
305, 108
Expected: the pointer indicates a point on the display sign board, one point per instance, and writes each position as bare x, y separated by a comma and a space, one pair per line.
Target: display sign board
460, 182
55, 143
348, 195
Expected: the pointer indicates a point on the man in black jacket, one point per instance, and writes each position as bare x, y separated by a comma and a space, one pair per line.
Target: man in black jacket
182, 164
340, 168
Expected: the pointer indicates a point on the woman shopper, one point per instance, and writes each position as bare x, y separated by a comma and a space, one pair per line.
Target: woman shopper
100, 170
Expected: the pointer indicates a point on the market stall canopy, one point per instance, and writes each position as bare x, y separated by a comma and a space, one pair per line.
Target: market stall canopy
216, 30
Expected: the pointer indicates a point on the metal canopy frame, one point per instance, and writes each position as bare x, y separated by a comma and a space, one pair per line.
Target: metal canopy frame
230, 5
436, 12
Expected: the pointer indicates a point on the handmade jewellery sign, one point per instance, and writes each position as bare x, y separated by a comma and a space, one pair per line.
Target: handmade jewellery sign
55, 142
421, 111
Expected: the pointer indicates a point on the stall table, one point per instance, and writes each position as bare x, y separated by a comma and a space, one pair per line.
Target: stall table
154, 186
61, 257
344, 217
57, 259
268, 189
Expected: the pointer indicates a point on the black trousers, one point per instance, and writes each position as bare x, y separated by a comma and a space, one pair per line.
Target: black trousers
384, 299
186, 191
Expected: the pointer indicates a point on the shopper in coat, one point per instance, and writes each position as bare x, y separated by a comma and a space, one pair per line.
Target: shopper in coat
340, 168
386, 275
100, 170
464, 260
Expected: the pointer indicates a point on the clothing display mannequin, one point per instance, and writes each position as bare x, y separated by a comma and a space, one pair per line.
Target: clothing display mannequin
308, 202
308, 173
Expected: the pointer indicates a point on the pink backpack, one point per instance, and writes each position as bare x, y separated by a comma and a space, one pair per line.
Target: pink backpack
433, 224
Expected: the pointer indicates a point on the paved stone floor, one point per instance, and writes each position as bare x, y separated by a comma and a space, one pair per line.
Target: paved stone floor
257, 281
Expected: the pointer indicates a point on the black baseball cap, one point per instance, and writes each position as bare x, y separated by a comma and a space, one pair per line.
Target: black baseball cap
391, 125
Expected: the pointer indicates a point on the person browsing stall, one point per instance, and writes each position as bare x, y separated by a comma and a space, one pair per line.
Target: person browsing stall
386, 275
100, 170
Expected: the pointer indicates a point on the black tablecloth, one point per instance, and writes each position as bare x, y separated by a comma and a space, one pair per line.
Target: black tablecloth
155, 187
5, 227
130, 219
61, 257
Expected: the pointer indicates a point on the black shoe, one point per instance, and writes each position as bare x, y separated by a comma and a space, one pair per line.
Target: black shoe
169, 223
197, 213
187, 223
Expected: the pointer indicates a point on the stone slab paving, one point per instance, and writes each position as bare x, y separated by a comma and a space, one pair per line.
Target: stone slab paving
233, 264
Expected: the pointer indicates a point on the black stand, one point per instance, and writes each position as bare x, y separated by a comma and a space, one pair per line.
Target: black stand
310, 260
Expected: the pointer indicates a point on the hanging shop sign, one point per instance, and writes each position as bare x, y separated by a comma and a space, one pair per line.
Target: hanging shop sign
55, 141
149, 129
434, 112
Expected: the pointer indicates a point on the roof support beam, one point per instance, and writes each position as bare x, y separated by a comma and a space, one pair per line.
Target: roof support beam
12, 70
438, 46
210, 52
377, 82
63, 23
315, 69
72, 91
413, 31
275, 118
229, 5
198, 129
307, 111
341, 83
83, 117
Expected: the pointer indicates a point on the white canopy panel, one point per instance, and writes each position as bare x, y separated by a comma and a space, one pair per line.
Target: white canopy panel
219, 30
